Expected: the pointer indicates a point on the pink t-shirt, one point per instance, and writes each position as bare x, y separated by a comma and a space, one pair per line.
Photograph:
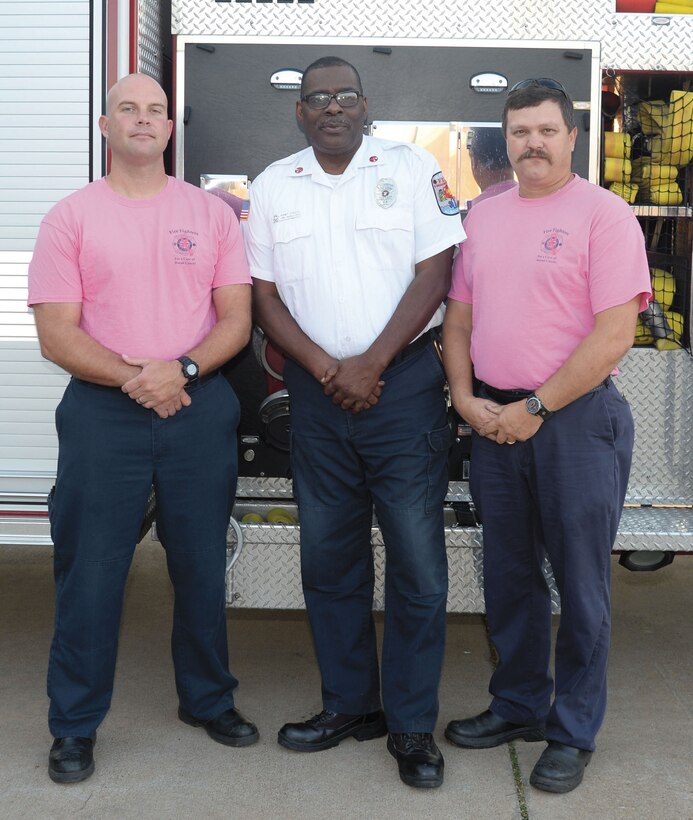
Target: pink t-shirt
536, 271
143, 270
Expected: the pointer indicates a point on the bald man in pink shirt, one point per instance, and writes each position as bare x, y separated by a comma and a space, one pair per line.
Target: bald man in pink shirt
141, 291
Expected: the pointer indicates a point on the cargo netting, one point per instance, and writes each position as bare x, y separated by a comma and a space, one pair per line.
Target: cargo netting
664, 324
648, 160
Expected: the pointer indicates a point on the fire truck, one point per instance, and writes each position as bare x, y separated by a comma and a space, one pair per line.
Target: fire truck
433, 73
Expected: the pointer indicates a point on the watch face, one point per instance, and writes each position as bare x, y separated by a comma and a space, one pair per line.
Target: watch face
533, 405
190, 369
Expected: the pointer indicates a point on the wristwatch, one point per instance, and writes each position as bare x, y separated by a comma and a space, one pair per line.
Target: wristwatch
536, 408
191, 369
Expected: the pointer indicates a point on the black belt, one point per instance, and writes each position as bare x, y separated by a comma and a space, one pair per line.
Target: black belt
509, 396
418, 344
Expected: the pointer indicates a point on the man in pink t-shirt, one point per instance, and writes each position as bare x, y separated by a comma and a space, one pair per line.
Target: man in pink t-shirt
141, 291
544, 299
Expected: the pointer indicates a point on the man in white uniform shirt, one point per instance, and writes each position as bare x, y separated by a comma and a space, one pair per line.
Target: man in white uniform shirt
350, 245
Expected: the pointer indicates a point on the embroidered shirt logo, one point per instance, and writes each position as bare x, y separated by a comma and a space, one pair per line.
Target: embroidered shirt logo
551, 244
444, 197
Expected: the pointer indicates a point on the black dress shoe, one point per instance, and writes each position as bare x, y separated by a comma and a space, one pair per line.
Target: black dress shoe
419, 759
487, 730
71, 759
229, 728
560, 768
329, 728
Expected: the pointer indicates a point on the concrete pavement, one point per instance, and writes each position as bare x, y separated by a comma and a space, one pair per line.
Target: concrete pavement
149, 765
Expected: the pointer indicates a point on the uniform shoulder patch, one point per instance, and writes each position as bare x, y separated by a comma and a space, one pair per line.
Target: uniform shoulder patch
444, 196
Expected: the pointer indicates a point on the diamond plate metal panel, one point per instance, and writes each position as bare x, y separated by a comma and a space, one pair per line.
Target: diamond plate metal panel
628, 41
635, 42
665, 529
458, 491
267, 575
465, 571
256, 487
379, 565
267, 572
659, 387
252, 487
150, 39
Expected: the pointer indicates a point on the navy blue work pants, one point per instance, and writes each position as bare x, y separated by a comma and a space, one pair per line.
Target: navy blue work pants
392, 457
111, 451
560, 494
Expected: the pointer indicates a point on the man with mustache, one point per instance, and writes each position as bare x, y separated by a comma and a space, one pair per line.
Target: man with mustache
141, 291
350, 247
542, 311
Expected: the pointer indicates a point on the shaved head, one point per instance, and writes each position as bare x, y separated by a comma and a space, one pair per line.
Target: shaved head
129, 84
136, 124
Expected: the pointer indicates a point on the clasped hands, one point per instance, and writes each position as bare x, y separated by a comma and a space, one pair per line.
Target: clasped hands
502, 423
353, 383
159, 386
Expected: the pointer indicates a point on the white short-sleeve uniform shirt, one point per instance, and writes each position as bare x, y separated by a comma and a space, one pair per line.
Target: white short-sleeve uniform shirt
342, 250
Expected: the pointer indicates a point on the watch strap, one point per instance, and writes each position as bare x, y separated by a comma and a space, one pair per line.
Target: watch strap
543, 412
189, 368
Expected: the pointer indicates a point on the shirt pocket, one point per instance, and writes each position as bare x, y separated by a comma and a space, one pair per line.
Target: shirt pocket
385, 249
384, 219
293, 251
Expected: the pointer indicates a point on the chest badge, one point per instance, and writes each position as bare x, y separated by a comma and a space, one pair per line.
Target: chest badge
386, 192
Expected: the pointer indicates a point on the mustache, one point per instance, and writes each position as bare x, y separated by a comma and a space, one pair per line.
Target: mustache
333, 121
534, 155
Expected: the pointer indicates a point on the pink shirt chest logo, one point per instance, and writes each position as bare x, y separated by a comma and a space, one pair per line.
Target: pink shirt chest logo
184, 246
551, 243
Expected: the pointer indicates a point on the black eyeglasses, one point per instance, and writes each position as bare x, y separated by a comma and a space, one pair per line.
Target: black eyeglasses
543, 82
344, 99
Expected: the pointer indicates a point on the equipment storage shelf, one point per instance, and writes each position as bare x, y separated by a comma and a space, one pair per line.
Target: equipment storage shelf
647, 158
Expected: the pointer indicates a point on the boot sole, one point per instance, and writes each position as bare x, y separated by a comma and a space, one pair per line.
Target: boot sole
528, 735
71, 777
421, 784
361, 733
556, 786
